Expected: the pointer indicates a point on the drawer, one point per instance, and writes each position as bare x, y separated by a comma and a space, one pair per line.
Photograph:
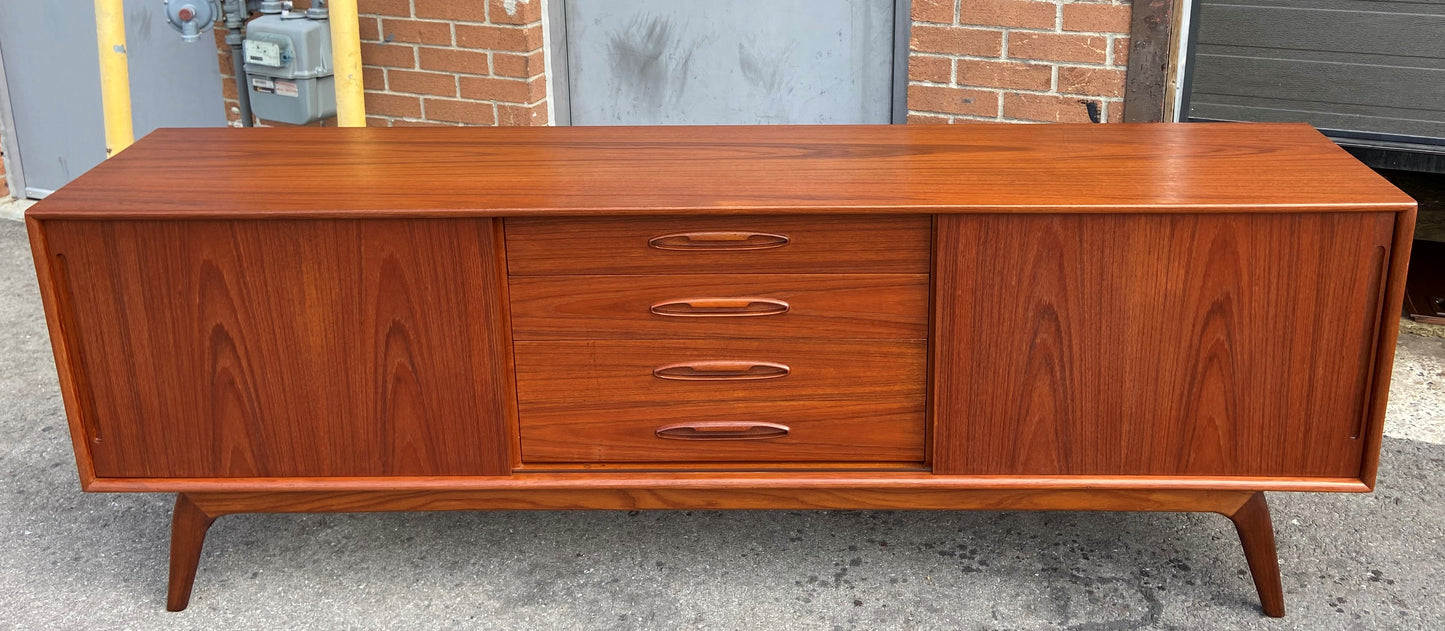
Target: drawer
830, 306
721, 401
691, 245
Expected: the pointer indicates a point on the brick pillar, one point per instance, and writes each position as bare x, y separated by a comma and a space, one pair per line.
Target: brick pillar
1017, 60
445, 62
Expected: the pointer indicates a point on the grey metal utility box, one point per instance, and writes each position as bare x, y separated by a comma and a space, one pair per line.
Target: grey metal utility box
289, 71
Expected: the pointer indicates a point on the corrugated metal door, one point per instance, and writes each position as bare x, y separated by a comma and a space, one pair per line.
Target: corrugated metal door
53, 78
651, 62
1361, 66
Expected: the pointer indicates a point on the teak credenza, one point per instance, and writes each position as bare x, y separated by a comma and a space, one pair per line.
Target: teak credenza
1070, 317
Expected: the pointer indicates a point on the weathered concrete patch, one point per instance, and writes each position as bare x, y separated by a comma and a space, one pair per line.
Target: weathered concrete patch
1411, 327
14, 209
1417, 390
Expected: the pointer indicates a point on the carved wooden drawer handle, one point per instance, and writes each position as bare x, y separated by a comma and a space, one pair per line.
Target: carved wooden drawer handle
721, 371
720, 307
721, 430
716, 241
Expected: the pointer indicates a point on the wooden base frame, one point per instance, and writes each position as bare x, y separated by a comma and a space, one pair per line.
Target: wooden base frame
195, 512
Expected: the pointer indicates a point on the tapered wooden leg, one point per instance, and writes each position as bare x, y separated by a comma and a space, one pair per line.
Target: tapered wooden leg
1256, 532
188, 534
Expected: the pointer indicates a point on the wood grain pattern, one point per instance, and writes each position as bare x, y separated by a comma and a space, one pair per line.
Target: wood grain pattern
1222, 502
705, 478
829, 170
858, 245
1218, 324
1384, 355
598, 401
188, 536
286, 348
195, 511
504, 314
752, 466
1156, 345
821, 306
63, 346
1256, 534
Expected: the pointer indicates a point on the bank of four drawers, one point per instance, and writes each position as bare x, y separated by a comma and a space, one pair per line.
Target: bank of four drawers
772, 339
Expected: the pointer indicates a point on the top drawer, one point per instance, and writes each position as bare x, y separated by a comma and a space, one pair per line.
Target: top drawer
695, 245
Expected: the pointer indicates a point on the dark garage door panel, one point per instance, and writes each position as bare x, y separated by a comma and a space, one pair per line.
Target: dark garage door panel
1339, 64
1410, 29
1369, 118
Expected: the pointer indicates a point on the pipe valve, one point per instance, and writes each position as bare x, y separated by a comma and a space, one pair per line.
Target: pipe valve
192, 17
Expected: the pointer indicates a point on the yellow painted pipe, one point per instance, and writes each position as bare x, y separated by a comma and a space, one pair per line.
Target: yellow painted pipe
114, 75
346, 57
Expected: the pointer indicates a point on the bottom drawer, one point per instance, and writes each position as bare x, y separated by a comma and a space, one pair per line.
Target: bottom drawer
721, 401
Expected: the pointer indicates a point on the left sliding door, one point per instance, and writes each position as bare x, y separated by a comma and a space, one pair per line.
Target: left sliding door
265, 348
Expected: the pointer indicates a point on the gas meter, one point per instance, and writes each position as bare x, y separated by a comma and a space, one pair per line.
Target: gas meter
289, 73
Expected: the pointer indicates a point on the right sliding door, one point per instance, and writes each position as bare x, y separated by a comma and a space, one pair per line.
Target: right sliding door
1127, 344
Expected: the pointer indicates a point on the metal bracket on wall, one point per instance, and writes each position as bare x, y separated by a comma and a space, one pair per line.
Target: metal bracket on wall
555, 46
902, 30
1146, 83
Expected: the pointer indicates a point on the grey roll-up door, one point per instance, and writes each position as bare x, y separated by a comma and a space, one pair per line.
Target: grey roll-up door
52, 75
649, 62
1367, 66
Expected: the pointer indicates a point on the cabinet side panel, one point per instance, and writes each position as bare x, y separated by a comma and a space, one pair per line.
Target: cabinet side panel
289, 348
1394, 298
59, 324
1156, 345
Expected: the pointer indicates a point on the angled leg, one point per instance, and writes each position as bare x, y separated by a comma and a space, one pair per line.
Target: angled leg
188, 533
1256, 532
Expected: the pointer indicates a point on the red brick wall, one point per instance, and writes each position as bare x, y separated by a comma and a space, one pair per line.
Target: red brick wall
228, 76
444, 62
1017, 60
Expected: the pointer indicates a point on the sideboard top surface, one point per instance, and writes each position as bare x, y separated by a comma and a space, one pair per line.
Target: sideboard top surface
561, 171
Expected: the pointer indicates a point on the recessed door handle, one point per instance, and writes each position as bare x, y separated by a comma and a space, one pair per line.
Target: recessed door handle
718, 241
722, 430
721, 371
720, 307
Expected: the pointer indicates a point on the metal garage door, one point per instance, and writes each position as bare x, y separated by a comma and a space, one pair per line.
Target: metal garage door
52, 73
1371, 67
649, 62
